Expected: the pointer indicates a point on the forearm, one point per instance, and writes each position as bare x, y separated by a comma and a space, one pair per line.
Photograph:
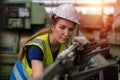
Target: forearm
37, 70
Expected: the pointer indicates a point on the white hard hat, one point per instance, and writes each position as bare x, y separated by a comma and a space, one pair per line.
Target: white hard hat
67, 11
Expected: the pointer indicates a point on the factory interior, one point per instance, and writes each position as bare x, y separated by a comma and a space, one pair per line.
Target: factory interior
99, 23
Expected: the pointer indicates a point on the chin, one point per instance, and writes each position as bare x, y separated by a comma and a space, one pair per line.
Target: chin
63, 42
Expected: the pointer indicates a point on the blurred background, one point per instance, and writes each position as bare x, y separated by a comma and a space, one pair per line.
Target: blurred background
19, 19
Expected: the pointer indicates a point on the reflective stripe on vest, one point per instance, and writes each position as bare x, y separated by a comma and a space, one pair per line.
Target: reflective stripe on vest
19, 72
38, 41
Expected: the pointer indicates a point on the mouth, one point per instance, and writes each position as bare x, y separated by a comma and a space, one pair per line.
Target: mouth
65, 39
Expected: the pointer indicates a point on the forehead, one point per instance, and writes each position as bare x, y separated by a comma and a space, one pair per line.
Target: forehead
65, 22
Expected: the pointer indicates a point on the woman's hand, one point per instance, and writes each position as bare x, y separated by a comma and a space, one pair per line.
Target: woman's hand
80, 40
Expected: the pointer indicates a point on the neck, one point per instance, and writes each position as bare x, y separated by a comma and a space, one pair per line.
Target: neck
53, 43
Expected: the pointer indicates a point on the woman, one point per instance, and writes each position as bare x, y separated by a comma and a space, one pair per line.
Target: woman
43, 47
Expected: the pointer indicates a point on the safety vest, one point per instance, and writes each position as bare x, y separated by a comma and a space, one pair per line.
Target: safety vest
19, 72
42, 42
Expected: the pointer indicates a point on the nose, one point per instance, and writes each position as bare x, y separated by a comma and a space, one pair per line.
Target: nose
66, 32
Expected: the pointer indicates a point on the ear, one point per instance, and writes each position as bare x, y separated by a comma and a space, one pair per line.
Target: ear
52, 28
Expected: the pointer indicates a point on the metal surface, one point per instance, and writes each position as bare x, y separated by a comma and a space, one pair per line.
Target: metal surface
76, 59
90, 72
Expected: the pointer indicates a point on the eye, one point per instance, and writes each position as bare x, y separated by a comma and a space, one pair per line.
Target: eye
71, 29
62, 27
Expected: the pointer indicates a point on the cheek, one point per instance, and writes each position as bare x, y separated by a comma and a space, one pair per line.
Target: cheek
57, 32
71, 33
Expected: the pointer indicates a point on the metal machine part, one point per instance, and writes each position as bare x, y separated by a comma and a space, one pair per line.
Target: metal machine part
73, 62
